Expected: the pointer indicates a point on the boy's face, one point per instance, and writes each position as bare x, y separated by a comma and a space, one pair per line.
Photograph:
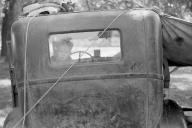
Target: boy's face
63, 50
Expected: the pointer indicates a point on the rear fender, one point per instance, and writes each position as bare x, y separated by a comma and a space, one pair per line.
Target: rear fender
173, 116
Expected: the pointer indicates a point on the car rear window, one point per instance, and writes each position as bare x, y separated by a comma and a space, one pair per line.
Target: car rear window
85, 47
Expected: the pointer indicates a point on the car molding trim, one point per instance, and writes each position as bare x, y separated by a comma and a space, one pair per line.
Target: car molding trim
96, 77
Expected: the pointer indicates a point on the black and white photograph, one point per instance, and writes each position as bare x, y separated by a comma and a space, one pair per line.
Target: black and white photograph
95, 63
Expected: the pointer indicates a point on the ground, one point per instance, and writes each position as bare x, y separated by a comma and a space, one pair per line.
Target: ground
5, 95
181, 88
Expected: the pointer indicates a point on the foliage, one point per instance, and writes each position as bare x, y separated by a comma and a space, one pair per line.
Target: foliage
94, 5
178, 8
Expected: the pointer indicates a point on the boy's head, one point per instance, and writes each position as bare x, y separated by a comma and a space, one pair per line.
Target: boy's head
62, 48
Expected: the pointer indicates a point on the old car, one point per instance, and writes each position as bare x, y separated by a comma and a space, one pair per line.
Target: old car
104, 69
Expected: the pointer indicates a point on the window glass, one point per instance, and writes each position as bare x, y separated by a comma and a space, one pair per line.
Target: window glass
85, 47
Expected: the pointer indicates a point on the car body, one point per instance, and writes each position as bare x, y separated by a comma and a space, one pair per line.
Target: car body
102, 92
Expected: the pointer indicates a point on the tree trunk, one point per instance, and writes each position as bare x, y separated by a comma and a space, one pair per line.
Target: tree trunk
11, 15
3, 34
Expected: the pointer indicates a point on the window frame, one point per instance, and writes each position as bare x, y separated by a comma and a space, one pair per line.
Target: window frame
120, 61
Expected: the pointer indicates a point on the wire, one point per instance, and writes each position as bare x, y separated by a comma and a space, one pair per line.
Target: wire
174, 69
62, 75
25, 72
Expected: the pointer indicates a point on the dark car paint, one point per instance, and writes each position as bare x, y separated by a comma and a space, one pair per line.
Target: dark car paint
129, 92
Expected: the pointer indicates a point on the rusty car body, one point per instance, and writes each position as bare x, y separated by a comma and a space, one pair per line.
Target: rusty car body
121, 93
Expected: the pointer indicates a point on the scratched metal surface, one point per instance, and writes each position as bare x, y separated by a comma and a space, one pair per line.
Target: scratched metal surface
116, 104
108, 100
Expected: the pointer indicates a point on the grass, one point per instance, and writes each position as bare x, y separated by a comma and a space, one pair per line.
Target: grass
181, 86
5, 91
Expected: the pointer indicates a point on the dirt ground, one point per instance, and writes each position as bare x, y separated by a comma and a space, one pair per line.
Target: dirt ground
181, 89
181, 86
5, 89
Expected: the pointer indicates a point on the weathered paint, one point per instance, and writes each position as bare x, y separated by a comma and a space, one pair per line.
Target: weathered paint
122, 94
117, 103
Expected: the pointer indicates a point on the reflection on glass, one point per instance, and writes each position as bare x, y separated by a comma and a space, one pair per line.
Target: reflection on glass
85, 47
